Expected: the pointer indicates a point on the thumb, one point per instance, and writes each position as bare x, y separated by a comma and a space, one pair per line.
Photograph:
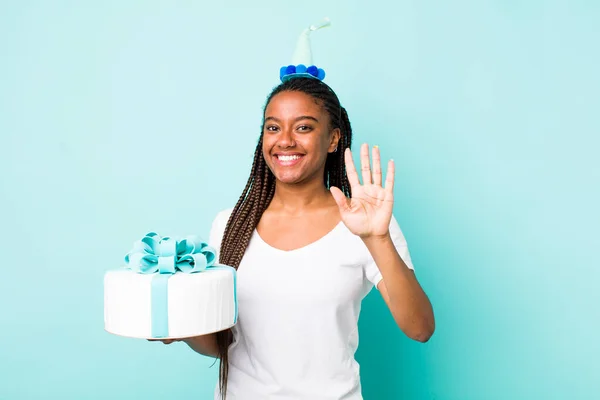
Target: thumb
339, 197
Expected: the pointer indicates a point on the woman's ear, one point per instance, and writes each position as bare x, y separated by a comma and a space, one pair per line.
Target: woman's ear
335, 139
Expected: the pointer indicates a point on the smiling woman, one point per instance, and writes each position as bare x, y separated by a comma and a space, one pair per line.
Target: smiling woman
299, 293
309, 242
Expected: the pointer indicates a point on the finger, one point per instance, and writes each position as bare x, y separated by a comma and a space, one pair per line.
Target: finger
339, 197
365, 164
376, 166
351, 170
389, 179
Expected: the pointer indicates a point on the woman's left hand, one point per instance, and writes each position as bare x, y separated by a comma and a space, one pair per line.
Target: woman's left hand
369, 211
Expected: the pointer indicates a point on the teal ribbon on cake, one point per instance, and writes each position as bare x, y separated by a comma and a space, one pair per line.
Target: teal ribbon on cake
164, 257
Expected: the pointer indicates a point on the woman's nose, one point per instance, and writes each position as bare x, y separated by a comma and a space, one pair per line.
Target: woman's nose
286, 138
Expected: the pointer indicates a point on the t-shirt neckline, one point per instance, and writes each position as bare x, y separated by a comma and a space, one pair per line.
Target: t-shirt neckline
305, 247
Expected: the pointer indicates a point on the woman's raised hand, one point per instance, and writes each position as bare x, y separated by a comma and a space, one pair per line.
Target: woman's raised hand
369, 211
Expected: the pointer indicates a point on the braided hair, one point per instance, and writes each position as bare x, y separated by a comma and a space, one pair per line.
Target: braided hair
260, 188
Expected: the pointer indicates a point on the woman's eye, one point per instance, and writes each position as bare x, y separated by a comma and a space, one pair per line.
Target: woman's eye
271, 128
304, 128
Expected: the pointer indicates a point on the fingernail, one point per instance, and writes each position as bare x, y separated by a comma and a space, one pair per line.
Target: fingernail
375, 146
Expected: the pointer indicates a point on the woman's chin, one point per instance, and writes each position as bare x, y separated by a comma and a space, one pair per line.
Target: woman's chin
289, 178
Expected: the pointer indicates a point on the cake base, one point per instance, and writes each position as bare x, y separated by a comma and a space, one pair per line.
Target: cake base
175, 306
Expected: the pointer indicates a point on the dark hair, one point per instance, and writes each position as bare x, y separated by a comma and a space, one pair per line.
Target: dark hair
259, 190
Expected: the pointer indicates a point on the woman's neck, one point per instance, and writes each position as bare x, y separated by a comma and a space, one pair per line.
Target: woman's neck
298, 198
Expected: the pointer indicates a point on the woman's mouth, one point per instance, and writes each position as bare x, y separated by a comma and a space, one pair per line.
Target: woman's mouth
287, 160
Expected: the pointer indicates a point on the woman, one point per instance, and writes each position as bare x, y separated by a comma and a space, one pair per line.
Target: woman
309, 241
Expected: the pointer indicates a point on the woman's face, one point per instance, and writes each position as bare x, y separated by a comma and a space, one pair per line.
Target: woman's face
297, 137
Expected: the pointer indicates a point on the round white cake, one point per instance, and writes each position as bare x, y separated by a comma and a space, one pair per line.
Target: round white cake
182, 304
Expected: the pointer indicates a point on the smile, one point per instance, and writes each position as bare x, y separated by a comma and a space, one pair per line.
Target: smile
288, 160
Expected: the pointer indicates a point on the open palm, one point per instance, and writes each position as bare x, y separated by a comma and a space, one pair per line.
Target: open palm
369, 211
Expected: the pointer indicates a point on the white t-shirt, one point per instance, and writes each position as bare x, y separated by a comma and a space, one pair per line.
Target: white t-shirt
297, 332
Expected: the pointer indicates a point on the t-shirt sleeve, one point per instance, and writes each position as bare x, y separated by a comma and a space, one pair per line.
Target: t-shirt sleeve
217, 230
372, 271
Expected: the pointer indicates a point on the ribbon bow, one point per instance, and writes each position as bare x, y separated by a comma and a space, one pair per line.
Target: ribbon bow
166, 255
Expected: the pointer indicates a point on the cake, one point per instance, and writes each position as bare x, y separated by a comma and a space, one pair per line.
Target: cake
169, 289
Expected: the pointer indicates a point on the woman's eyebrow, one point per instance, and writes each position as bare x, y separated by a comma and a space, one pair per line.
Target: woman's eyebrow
295, 119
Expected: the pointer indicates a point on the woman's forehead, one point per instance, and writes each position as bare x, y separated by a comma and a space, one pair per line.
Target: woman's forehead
293, 103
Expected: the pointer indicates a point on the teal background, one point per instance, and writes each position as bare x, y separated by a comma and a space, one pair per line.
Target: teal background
121, 117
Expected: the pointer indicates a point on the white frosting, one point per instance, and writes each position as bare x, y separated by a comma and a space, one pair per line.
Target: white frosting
198, 303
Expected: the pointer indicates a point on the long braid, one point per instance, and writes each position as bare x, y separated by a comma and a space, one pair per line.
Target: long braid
340, 179
260, 189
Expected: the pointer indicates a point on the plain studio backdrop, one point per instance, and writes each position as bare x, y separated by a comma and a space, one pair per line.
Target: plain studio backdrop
119, 118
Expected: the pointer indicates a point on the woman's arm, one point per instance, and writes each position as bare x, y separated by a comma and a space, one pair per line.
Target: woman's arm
401, 291
368, 214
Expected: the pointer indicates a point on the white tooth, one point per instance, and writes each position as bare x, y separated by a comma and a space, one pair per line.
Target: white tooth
288, 158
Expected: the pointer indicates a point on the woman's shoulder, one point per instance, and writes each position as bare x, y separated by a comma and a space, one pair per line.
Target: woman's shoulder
223, 215
220, 219
218, 226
